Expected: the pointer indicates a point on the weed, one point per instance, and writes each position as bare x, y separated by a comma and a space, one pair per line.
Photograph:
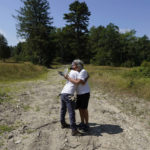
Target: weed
26, 107
5, 128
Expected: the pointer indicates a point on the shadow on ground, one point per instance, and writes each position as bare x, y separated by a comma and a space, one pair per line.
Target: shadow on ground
98, 129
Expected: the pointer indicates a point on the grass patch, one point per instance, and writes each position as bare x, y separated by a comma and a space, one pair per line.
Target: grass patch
26, 107
20, 71
119, 79
5, 128
4, 97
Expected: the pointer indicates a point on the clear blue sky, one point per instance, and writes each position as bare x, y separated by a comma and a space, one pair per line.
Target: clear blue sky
126, 14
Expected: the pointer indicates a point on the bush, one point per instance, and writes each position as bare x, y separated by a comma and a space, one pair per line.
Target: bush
145, 64
57, 60
128, 63
142, 71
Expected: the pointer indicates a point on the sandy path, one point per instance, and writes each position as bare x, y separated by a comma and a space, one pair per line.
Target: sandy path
37, 116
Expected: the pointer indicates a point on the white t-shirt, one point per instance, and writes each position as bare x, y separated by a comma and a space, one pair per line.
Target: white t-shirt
69, 87
83, 88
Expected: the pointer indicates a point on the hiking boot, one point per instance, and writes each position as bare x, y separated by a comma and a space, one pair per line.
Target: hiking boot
76, 133
65, 125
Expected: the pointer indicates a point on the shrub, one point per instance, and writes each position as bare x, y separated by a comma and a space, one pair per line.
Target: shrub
129, 63
142, 71
145, 64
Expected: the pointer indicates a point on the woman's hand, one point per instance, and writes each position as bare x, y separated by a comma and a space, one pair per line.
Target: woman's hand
66, 77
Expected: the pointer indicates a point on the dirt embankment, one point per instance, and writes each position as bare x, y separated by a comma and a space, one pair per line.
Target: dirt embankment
114, 125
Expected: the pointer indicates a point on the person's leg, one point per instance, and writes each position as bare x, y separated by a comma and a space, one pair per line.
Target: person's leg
71, 112
63, 110
81, 124
78, 104
81, 115
85, 100
86, 116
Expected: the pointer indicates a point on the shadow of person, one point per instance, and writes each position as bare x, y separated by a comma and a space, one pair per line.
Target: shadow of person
98, 129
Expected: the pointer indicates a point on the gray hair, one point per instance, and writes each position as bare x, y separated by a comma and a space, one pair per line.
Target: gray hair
79, 63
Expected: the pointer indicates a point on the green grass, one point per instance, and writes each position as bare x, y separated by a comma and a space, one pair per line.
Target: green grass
10, 72
119, 79
5, 128
4, 97
26, 107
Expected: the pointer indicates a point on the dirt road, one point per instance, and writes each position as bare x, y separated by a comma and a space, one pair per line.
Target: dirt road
35, 117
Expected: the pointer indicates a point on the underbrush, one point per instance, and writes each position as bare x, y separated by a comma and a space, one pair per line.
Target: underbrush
140, 72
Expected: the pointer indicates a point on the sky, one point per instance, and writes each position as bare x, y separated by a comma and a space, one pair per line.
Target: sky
126, 14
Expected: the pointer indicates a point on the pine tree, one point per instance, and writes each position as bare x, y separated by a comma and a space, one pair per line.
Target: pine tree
78, 20
35, 25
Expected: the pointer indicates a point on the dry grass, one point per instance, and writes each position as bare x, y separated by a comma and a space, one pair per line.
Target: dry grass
115, 79
20, 71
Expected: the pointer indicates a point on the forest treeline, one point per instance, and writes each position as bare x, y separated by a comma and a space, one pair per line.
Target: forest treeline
45, 43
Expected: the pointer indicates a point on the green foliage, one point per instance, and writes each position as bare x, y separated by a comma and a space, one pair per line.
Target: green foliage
57, 61
145, 64
110, 47
4, 49
105, 45
100, 45
34, 25
20, 52
139, 72
76, 30
128, 63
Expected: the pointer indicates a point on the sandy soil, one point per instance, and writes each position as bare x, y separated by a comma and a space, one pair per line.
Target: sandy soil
114, 124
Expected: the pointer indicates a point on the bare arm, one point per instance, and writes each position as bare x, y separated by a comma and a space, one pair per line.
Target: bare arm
77, 81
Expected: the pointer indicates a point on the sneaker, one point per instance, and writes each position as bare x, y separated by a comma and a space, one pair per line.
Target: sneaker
81, 126
76, 133
65, 125
86, 128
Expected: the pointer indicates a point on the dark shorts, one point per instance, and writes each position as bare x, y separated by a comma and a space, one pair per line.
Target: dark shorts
82, 101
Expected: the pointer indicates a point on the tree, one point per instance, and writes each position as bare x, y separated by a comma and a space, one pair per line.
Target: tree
130, 51
143, 45
78, 20
34, 25
63, 40
95, 37
106, 47
4, 49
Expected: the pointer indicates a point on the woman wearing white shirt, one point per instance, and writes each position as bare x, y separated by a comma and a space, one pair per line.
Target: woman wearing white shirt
83, 94
67, 103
